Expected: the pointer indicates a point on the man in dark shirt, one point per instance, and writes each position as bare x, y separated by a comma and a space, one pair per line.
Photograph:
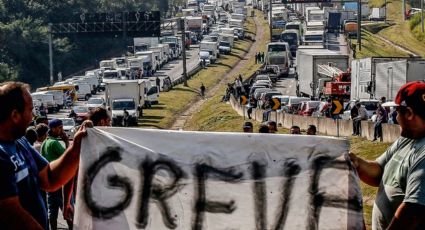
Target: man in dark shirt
23, 171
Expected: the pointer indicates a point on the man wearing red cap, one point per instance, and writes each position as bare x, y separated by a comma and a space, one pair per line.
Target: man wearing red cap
400, 171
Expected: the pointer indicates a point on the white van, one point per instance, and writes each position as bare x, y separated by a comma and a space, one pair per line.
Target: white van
46, 99
84, 91
58, 97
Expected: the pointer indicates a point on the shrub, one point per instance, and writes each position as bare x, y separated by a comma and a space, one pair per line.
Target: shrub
414, 21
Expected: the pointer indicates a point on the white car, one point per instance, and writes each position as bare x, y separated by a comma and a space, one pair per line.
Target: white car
95, 102
69, 127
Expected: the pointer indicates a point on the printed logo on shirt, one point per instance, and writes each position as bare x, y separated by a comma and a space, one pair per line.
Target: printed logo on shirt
21, 171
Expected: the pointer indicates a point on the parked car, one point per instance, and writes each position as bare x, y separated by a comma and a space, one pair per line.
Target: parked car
293, 104
266, 96
370, 105
69, 127
253, 88
93, 103
82, 113
308, 107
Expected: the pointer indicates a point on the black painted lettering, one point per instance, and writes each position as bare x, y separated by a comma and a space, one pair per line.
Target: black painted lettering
259, 186
159, 193
202, 205
290, 170
116, 182
317, 199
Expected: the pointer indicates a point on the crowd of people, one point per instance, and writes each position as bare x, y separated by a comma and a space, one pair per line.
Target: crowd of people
32, 163
271, 127
383, 114
259, 58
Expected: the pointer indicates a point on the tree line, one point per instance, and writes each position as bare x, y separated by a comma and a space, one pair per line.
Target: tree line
24, 48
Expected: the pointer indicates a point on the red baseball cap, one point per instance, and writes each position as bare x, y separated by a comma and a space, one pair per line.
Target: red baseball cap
412, 95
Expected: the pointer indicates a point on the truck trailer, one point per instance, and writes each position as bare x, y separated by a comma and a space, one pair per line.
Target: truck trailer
363, 75
308, 76
123, 95
390, 76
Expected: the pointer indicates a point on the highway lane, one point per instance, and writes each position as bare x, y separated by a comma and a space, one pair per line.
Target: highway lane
174, 69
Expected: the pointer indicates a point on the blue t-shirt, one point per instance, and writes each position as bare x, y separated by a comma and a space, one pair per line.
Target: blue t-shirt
19, 168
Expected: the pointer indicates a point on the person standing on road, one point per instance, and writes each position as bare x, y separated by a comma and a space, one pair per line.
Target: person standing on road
202, 88
357, 121
381, 117
23, 171
354, 112
52, 149
400, 171
158, 82
41, 130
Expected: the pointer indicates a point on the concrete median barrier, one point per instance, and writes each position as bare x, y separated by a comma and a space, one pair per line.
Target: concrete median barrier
326, 126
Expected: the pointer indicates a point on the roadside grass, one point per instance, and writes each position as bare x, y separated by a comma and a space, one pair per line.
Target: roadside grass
400, 32
375, 47
376, 3
367, 150
215, 115
173, 103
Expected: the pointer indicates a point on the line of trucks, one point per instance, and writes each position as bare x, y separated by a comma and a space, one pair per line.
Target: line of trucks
222, 38
367, 78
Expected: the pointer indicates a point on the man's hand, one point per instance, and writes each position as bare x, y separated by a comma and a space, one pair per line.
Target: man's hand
370, 172
82, 131
354, 159
68, 212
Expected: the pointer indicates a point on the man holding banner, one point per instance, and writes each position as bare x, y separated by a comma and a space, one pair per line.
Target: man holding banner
23, 171
400, 171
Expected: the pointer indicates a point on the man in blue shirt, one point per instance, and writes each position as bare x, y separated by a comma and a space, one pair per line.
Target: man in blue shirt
23, 172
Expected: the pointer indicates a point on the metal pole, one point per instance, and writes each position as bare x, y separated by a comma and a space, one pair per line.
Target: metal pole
51, 54
385, 5
182, 28
337, 127
422, 15
359, 24
271, 21
403, 8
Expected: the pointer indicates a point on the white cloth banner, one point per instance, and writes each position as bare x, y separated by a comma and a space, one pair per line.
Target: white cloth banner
152, 179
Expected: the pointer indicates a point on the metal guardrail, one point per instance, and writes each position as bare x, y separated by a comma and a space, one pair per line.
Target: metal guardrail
190, 73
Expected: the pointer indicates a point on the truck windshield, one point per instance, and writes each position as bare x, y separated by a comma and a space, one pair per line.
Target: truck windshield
121, 105
313, 37
290, 38
296, 27
110, 75
277, 48
227, 44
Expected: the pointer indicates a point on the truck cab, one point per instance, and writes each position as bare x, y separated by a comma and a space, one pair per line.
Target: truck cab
124, 94
210, 47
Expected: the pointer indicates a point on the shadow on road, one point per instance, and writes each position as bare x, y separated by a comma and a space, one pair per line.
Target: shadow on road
187, 89
221, 64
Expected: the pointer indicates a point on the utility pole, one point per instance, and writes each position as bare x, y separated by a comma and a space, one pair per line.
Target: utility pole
385, 5
182, 29
403, 8
271, 21
51, 54
359, 24
422, 15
